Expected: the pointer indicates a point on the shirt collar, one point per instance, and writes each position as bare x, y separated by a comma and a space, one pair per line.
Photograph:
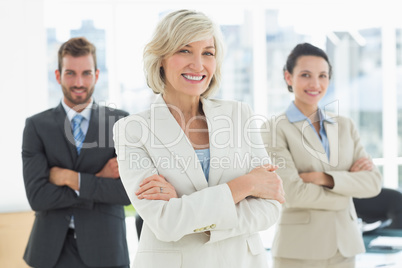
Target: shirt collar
86, 113
295, 115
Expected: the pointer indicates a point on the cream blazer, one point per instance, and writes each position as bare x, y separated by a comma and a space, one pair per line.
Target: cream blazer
174, 234
317, 221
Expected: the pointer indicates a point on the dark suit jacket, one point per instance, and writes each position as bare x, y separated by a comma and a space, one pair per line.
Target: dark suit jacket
98, 210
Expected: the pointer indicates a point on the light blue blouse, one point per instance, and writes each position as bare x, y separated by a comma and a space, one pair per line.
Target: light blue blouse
294, 115
204, 158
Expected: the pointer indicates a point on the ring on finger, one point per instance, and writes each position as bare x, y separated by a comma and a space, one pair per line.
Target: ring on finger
161, 189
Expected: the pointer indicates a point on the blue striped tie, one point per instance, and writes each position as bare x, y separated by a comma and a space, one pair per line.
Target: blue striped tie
77, 131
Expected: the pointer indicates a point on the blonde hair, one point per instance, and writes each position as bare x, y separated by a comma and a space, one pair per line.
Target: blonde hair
174, 31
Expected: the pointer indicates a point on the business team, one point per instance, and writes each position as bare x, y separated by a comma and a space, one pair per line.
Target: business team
204, 186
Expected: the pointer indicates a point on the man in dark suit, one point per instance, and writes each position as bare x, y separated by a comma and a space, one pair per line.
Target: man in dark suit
71, 175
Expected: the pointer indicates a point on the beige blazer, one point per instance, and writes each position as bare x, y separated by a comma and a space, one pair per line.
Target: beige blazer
317, 221
174, 234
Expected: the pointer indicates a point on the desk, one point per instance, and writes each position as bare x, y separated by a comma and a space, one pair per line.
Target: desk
370, 259
374, 258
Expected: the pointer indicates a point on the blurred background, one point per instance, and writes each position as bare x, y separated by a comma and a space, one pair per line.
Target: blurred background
362, 38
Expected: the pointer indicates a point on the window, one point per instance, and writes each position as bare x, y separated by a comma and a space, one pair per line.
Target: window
258, 38
399, 99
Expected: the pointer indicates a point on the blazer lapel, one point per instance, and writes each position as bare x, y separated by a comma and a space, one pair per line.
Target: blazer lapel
91, 137
65, 128
94, 132
311, 142
331, 128
220, 128
170, 136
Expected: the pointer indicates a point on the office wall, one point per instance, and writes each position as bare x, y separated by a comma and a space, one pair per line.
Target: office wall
23, 90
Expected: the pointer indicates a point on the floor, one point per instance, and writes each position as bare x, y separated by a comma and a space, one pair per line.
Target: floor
367, 260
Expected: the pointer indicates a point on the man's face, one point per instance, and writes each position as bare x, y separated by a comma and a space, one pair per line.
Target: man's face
77, 79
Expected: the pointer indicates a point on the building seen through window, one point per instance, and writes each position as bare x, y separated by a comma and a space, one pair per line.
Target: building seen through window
357, 61
356, 88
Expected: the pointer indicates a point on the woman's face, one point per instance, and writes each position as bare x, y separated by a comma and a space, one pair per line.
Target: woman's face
310, 80
190, 69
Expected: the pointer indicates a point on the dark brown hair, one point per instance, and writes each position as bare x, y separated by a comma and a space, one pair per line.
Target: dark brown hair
76, 47
304, 49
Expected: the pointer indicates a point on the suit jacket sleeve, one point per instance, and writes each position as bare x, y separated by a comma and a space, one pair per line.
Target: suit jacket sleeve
361, 184
173, 219
284, 142
99, 189
278, 139
253, 214
106, 190
41, 194
210, 209
44, 146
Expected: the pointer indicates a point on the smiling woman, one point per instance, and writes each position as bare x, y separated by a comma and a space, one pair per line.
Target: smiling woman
190, 70
325, 167
201, 45
308, 80
195, 209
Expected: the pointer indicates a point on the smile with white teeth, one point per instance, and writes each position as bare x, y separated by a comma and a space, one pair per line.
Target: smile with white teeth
312, 92
78, 90
192, 77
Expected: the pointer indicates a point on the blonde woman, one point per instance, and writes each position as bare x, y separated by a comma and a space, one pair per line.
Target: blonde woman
323, 165
203, 186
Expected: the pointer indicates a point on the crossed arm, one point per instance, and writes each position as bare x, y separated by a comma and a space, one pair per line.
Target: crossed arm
323, 179
261, 182
67, 177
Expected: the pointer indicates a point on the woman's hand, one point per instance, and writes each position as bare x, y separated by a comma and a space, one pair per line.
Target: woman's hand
156, 187
318, 178
361, 164
323, 179
261, 182
267, 184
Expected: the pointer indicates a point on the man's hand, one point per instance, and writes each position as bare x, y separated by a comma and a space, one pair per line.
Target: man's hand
64, 177
110, 170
